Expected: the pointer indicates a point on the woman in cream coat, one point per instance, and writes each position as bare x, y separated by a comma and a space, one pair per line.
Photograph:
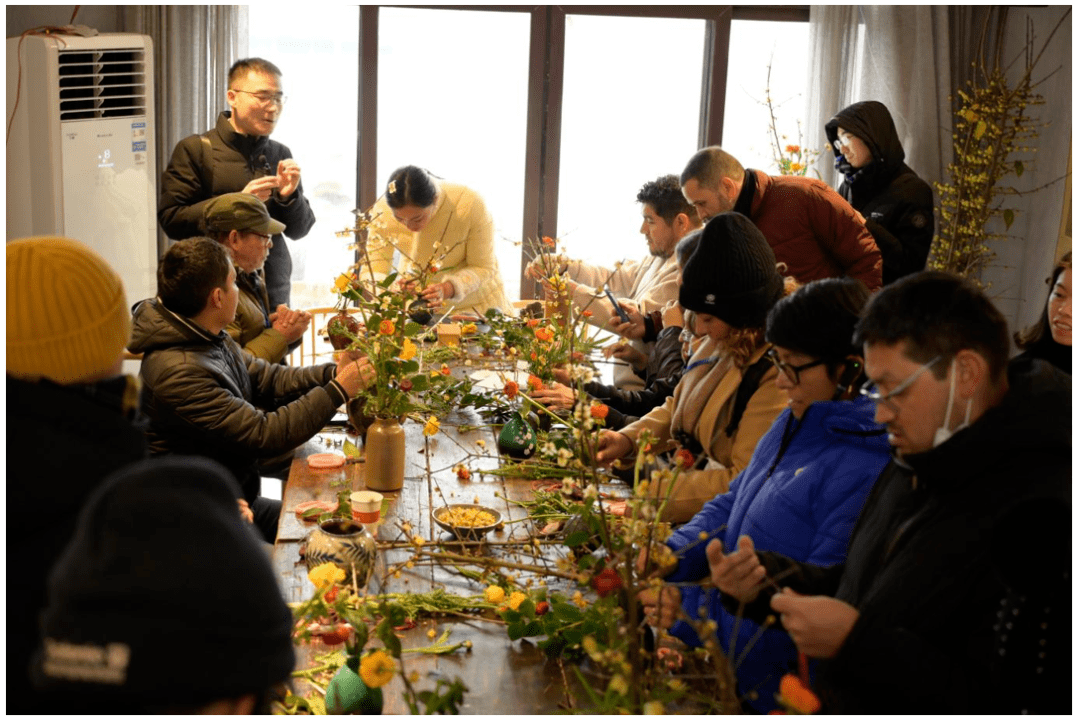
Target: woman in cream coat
729, 284
428, 220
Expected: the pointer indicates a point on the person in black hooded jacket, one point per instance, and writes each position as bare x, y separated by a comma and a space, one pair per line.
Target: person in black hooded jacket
898, 205
955, 596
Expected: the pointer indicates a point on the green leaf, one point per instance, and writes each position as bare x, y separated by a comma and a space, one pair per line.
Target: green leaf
567, 612
412, 328
574, 636
390, 278
533, 628
516, 630
1019, 168
409, 367
1009, 217
312, 513
350, 450
576, 538
421, 383
980, 129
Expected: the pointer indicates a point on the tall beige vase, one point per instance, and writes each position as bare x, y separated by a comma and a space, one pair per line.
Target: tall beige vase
384, 468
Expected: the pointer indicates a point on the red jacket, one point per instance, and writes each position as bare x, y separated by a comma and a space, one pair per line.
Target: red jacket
812, 229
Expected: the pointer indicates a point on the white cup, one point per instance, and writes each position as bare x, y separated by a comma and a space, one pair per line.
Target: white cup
366, 505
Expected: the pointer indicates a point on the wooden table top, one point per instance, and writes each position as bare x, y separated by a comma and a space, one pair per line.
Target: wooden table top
502, 676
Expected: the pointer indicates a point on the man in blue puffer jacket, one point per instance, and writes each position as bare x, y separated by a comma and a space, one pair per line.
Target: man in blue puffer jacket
803, 489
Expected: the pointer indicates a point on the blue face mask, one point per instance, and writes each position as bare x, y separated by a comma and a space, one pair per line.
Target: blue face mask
943, 433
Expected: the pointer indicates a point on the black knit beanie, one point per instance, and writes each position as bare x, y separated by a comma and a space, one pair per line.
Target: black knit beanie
732, 275
164, 597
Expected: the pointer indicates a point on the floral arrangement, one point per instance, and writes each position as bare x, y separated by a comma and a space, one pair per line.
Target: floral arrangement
993, 132
337, 615
792, 159
389, 336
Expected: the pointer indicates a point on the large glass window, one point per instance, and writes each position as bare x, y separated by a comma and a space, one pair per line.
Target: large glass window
318, 124
749, 133
631, 102
453, 98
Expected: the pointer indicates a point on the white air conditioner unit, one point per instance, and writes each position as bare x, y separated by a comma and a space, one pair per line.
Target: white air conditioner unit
80, 154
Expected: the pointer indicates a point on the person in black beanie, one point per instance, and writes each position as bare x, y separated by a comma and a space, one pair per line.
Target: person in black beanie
726, 399
164, 601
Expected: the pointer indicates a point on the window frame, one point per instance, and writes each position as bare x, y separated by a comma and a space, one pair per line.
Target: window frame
547, 44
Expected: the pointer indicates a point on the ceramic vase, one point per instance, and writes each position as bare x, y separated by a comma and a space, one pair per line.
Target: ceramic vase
384, 449
345, 543
347, 693
517, 439
359, 421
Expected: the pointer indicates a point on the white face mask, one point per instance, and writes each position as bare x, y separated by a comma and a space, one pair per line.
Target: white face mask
943, 433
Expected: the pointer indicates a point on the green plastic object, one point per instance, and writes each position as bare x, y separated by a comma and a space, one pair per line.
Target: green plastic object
348, 694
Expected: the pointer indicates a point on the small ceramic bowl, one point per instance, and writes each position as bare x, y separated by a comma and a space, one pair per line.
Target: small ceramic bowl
463, 532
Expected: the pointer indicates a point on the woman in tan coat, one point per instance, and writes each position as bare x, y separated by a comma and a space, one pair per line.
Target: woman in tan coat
727, 398
423, 220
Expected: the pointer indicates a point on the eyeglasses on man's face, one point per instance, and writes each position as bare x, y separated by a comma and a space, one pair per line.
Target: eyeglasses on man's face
788, 370
265, 238
265, 99
870, 391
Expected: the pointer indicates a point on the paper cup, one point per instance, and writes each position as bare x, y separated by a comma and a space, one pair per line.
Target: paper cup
366, 505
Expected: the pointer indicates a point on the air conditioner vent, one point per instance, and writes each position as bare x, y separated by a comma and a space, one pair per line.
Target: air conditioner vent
107, 83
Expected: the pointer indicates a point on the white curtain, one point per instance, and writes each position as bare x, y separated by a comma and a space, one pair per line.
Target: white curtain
194, 46
896, 54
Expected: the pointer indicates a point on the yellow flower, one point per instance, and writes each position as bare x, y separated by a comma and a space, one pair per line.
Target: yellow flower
618, 684
342, 283
516, 598
377, 669
495, 594
408, 350
431, 427
796, 167
326, 575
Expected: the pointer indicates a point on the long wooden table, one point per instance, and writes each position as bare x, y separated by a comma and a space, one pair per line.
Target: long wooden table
502, 676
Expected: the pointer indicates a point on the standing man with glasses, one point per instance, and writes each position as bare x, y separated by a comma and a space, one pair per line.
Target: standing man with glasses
955, 595
238, 155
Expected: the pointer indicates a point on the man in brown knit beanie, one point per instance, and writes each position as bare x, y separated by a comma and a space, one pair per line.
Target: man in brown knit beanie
71, 419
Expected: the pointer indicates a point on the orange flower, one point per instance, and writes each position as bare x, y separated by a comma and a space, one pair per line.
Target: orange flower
796, 167
445, 370
685, 459
544, 334
535, 382
798, 696
548, 241
462, 472
586, 313
792, 148
532, 323
386, 327
599, 411
510, 389
532, 355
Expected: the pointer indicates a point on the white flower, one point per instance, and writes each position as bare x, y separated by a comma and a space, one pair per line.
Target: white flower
581, 373
547, 449
591, 493
565, 455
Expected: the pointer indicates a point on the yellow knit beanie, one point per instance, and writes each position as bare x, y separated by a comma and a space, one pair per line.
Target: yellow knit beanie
67, 317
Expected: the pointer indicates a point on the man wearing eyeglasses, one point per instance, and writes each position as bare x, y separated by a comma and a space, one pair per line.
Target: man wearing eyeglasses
955, 595
241, 223
237, 155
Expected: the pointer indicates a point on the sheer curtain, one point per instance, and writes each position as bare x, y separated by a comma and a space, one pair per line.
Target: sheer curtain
896, 54
194, 46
